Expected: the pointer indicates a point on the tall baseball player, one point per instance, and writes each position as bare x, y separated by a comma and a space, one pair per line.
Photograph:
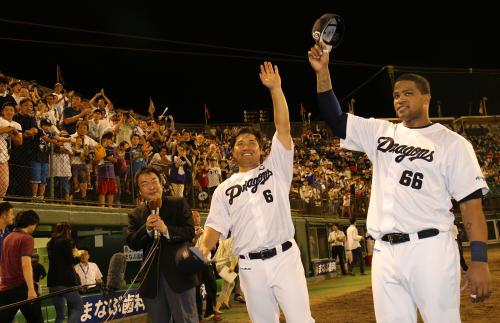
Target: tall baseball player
417, 167
254, 205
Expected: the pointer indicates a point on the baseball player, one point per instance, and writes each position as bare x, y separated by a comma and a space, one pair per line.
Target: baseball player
253, 204
417, 167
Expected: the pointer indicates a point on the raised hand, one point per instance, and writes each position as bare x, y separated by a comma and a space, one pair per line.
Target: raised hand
317, 58
270, 76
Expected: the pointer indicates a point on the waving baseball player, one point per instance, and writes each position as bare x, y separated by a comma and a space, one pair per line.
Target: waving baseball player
417, 166
254, 205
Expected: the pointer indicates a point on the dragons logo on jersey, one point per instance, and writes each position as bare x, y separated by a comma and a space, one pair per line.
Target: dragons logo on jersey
252, 184
387, 145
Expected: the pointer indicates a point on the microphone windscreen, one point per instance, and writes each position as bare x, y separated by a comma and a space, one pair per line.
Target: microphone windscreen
116, 271
155, 204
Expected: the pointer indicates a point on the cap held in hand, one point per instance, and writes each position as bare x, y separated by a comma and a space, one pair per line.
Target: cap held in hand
328, 31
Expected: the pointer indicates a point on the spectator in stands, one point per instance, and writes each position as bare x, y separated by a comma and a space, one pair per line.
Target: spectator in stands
79, 167
177, 173
353, 248
124, 127
39, 272
61, 99
17, 273
346, 204
82, 129
74, 113
5, 96
40, 160
21, 156
137, 160
98, 124
307, 195
214, 176
62, 252
103, 103
106, 183
61, 165
89, 273
10, 134
15, 87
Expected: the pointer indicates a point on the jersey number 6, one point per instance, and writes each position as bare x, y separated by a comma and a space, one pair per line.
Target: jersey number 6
410, 179
268, 196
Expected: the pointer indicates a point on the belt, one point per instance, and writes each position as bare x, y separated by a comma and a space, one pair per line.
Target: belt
268, 253
395, 238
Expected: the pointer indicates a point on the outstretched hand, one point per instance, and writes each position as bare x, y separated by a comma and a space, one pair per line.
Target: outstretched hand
270, 76
318, 58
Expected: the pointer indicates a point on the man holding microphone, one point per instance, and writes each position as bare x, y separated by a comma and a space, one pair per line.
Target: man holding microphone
165, 227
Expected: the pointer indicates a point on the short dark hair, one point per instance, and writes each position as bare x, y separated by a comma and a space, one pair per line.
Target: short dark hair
24, 100
4, 80
352, 220
147, 170
7, 104
4, 207
26, 218
421, 82
247, 130
107, 135
336, 224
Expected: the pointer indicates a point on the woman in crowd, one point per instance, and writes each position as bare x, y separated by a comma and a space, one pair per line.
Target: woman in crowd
61, 250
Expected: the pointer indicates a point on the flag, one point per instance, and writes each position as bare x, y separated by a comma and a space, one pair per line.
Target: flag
302, 109
151, 108
351, 106
59, 76
481, 107
207, 114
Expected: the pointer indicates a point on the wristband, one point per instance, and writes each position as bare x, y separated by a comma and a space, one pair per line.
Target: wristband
478, 251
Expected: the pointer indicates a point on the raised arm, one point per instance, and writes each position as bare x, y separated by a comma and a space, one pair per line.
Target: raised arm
328, 104
271, 79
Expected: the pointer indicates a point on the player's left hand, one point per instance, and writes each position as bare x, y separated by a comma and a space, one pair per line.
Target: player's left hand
478, 279
270, 76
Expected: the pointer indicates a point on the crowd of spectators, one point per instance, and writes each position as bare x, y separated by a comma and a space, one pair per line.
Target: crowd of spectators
91, 151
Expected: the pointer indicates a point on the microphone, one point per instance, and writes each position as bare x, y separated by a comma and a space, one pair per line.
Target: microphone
155, 205
116, 272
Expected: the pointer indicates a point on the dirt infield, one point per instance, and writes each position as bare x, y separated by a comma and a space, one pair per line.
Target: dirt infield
358, 306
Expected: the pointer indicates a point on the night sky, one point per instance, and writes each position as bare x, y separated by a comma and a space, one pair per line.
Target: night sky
170, 65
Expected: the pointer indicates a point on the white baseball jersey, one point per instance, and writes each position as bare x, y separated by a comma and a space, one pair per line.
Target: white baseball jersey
415, 172
255, 205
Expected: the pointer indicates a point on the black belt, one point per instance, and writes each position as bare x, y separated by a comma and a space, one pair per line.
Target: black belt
395, 238
268, 253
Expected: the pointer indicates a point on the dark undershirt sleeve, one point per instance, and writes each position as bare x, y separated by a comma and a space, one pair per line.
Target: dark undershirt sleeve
331, 112
474, 195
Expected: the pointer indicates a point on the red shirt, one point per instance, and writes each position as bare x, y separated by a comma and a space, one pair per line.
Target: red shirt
16, 245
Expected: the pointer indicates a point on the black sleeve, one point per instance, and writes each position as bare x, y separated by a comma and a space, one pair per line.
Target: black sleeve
474, 195
329, 108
